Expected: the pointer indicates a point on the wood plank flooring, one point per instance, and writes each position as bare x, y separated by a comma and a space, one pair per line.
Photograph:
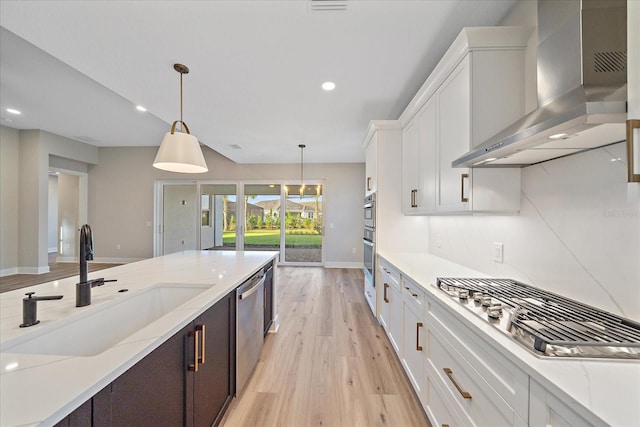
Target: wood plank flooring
330, 363
58, 270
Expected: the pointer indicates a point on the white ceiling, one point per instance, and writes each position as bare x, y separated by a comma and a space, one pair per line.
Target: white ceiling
78, 69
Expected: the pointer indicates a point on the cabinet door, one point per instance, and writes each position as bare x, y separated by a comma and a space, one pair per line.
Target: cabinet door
410, 167
151, 392
454, 116
546, 410
395, 318
213, 383
428, 134
371, 167
384, 302
413, 349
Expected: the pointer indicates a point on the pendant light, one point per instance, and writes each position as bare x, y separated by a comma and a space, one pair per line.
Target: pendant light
180, 151
302, 146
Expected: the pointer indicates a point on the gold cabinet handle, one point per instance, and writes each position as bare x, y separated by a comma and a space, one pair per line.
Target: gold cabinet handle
463, 393
462, 178
202, 330
445, 425
631, 175
384, 294
418, 346
414, 192
368, 183
196, 349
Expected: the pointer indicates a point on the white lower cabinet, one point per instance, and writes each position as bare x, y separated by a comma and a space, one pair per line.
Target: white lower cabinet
413, 334
461, 378
390, 304
546, 410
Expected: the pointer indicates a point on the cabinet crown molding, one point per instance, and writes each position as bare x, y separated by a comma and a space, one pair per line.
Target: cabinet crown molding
468, 40
377, 125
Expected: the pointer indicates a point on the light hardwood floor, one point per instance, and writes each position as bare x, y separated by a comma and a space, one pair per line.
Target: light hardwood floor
330, 363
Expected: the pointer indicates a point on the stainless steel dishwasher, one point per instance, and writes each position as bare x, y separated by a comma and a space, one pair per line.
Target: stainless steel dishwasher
249, 327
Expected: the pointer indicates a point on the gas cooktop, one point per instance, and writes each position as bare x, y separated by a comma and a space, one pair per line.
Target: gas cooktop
546, 323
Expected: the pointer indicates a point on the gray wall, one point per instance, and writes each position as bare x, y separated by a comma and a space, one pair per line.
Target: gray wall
52, 239
9, 191
25, 194
121, 200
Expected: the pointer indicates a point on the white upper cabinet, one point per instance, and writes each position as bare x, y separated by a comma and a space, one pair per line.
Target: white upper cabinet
476, 90
371, 166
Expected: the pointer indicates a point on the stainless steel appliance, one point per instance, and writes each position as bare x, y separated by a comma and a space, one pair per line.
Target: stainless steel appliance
545, 323
370, 211
369, 251
249, 327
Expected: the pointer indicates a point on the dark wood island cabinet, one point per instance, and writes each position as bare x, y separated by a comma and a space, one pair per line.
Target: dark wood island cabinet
179, 383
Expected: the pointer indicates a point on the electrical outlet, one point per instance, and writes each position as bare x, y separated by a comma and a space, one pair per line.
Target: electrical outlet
498, 252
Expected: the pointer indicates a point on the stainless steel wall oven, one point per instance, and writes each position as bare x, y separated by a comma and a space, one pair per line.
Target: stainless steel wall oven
369, 251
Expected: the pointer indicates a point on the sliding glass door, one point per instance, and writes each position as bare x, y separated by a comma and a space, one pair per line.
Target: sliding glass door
262, 229
218, 216
303, 224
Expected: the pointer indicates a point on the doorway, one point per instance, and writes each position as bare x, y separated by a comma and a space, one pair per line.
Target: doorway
304, 231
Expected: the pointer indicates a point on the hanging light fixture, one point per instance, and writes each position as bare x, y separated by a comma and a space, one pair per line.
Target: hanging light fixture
302, 146
180, 151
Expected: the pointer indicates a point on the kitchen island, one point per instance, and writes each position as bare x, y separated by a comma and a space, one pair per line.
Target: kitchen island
523, 388
39, 386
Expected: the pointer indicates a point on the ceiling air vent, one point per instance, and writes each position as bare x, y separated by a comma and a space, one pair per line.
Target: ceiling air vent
324, 5
608, 62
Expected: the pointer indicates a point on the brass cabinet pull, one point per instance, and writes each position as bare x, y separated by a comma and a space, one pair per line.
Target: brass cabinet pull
196, 349
414, 295
201, 328
368, 183
413, 198
631, 175
462, 178
464, 394
445, 425
384, 294
418, 346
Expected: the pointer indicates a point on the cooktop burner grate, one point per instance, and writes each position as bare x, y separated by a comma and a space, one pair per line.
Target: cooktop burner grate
550, 323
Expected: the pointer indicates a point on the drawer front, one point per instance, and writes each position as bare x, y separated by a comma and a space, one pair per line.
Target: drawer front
413, 294
478, 403
392, 276
441, 410
500, 375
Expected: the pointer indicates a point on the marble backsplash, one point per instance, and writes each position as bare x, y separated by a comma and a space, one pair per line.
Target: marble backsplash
577, 234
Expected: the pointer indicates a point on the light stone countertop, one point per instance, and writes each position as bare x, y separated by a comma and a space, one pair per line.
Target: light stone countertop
609, 389
40, 389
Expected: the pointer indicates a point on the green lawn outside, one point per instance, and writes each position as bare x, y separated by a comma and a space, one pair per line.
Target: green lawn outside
272, 238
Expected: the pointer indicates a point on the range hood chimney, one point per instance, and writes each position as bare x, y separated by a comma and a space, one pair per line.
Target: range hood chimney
582, 87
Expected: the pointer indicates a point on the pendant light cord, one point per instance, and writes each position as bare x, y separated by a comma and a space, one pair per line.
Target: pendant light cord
181, 122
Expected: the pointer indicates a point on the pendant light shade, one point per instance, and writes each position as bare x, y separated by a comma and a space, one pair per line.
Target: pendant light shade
180, 151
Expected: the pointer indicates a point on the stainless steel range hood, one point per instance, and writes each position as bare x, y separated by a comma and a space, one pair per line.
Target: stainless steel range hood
582, 87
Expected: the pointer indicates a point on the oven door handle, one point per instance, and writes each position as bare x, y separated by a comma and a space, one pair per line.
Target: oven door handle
367, 242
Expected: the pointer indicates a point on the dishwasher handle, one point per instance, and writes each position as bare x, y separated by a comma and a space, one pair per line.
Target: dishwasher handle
253, 289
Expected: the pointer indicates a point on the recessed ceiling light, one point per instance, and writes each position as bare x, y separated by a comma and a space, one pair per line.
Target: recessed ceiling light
328, 86
141, 108
559, 136
13, 111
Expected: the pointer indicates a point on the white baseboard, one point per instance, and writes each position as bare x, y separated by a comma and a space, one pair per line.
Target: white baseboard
343, 265
24, 270
8, 271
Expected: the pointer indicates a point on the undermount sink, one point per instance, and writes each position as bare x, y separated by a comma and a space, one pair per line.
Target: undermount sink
103, 326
